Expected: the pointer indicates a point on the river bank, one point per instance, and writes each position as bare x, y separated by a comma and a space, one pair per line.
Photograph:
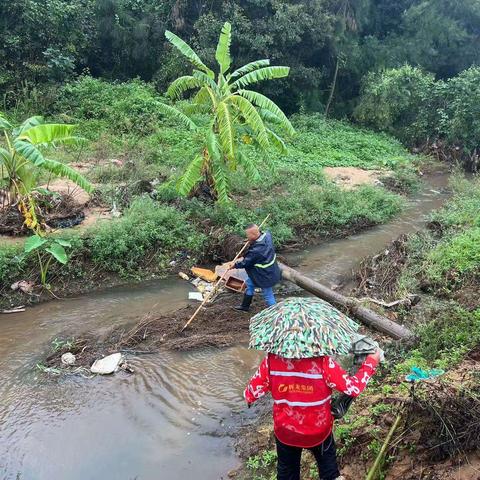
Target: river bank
82, 275
437, 437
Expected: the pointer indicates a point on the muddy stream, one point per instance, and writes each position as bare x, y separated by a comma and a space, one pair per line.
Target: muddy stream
173, 418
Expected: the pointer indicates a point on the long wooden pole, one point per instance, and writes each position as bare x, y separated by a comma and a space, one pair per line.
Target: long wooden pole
365, 315
210, 294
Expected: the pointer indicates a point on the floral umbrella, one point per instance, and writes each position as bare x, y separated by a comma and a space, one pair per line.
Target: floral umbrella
302, 328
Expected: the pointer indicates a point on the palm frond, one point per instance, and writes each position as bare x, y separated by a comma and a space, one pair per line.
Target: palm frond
250, 67
175, 113
193, 108
222, 55
49, 134
267, 73
182, 84
4, 123
64, 171
203, 97
191, 176
209, 82
213, 145
265, 103
226, 130
277, 141
252, 118
220, 180
249, 167
187, 51
28, 123
5, 156
29, 152
269, 117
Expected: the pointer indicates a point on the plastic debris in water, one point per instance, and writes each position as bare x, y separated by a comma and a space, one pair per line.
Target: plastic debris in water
184, 276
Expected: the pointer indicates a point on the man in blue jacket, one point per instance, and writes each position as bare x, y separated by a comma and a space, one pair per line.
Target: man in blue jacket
260, 263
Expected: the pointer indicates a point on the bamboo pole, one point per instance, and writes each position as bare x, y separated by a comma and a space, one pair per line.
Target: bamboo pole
210, 294
365, 315
374, 471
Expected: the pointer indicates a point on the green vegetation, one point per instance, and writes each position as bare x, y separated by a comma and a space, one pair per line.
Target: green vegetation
411, 104
237, 117
446, 258
455, 257
151, 152
47, 250
146, 233
21, 159
325, 43
262, 466
444, 263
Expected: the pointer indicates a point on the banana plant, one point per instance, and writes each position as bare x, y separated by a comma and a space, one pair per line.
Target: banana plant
22, 159
239, 117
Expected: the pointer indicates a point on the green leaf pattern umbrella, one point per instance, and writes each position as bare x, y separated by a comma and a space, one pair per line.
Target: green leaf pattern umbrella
302, 328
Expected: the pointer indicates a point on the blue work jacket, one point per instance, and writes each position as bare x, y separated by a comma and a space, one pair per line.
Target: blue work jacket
260, 262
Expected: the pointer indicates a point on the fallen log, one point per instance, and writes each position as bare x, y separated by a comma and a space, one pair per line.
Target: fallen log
365, 315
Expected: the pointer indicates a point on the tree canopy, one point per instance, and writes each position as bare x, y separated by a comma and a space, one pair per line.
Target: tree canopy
327, 43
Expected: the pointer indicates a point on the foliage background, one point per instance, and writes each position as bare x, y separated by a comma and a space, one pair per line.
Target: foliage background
50, 40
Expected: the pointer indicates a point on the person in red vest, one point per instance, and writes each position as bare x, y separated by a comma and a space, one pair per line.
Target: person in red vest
302, 416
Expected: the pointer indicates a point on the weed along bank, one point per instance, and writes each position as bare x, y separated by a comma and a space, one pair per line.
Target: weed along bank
223, 259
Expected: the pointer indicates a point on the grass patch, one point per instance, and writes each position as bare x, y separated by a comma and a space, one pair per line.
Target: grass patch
10, 266
445, 339
455, 257
146, 230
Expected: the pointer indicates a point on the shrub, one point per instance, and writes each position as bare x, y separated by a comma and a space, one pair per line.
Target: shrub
146, 229
394, 99
10, 266
410, 104
459, 115
451, 333
129, 107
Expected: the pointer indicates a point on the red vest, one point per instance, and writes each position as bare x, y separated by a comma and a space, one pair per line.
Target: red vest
302, 415
301, 391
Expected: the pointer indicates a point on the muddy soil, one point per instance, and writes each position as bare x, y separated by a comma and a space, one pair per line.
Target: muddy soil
62, 211
351, 177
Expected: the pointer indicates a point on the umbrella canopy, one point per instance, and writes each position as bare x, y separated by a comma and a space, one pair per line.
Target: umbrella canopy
302, 328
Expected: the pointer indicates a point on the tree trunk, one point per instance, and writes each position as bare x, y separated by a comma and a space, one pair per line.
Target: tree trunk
365, 315
332, 89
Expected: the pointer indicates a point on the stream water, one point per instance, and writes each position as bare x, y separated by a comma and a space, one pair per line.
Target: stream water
173, 417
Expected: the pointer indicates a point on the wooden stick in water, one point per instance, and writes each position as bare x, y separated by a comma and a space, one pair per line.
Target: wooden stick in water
217, 283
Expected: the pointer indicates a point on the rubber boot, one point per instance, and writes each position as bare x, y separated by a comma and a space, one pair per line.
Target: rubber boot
246, 302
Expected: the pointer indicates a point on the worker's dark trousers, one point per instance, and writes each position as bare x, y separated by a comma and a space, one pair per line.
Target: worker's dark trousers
288, 467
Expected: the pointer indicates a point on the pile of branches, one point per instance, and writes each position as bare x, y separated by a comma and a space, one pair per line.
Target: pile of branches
449, 418
444, 152
378, 275
55, 211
